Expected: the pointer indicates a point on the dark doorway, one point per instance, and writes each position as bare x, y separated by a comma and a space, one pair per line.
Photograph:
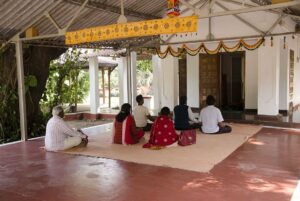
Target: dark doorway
232, 65
182, 76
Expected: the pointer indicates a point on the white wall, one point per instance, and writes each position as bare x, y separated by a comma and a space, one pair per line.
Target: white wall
268, 78
297, 73
169, 75
123, 82
294, 43
261, 62
156, 65
283, 77
133, 57
192, 80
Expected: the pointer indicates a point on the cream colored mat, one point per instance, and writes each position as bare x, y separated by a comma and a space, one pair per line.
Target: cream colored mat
201, 157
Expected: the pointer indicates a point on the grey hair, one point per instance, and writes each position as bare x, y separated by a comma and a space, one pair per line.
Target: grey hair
57, 110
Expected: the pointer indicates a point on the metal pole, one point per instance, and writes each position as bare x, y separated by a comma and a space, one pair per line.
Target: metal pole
21, 90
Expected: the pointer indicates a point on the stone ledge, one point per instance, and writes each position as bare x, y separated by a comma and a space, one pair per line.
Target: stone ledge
86, 115
268, 117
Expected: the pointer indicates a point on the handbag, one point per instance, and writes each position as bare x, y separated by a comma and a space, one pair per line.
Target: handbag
187, 137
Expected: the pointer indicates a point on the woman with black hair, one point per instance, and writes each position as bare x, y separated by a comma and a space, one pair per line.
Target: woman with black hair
124, 128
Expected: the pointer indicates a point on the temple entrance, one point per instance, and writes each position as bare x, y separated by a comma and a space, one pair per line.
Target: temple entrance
209, 78
232, 75
222, 75
182, 71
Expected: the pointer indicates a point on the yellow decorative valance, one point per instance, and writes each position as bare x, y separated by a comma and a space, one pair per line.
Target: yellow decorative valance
133, 29
185, 49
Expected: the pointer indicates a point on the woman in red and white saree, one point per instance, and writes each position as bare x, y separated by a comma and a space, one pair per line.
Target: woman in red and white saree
124, 128
162, 132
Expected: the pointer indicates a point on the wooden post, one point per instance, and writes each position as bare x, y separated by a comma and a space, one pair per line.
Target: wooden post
109, 95
103, 82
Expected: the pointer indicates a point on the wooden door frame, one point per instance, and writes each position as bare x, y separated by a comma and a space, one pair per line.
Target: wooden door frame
243, 76
200, 94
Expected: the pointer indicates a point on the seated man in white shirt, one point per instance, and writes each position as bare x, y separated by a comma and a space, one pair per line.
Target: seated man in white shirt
141, 115
212, 119
59, 136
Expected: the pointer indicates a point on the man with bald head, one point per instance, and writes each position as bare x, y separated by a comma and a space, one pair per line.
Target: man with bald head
59, 136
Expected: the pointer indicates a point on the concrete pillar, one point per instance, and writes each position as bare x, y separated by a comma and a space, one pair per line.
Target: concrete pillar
268, 78
156, 83
123, 82
251, 80
283, 78
193, 80
133, 58
21, 90
169, 78
94, 84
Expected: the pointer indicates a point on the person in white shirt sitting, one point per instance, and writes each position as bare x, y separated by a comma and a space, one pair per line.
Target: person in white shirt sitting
59, 136
212, 119
141, 115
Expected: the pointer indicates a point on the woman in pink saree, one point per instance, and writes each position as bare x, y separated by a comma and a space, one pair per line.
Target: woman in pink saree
162, 132
124, 129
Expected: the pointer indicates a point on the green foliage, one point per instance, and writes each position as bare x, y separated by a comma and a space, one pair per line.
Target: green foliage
9, 118
30, 81
144, 77
144, 65
67, 82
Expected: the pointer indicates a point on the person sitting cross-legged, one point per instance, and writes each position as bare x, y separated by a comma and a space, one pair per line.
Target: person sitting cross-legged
124, 130
184, 118
141, 115
212, 119
59, 136
162, 132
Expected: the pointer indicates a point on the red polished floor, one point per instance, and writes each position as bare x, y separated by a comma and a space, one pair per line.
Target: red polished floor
266, 168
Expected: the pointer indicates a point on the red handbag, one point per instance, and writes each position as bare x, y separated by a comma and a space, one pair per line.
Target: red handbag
187, 137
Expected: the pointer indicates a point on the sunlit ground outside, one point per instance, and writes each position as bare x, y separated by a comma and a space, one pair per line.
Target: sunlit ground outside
296, 194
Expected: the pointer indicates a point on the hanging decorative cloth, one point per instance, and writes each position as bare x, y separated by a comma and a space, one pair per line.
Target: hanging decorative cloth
133, 29
221, 45
173, 8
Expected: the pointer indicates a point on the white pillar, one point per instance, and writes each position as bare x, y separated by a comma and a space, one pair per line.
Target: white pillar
176, 80
94, 84
268, 78
21, 90
169, 87
123, 82
283, 78
192, 80
133, 58
251, 80
156, 83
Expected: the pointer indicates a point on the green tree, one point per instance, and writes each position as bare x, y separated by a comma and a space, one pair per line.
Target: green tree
68, 83
144, 73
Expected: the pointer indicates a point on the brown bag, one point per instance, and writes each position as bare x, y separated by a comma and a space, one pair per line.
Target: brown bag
187, 137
